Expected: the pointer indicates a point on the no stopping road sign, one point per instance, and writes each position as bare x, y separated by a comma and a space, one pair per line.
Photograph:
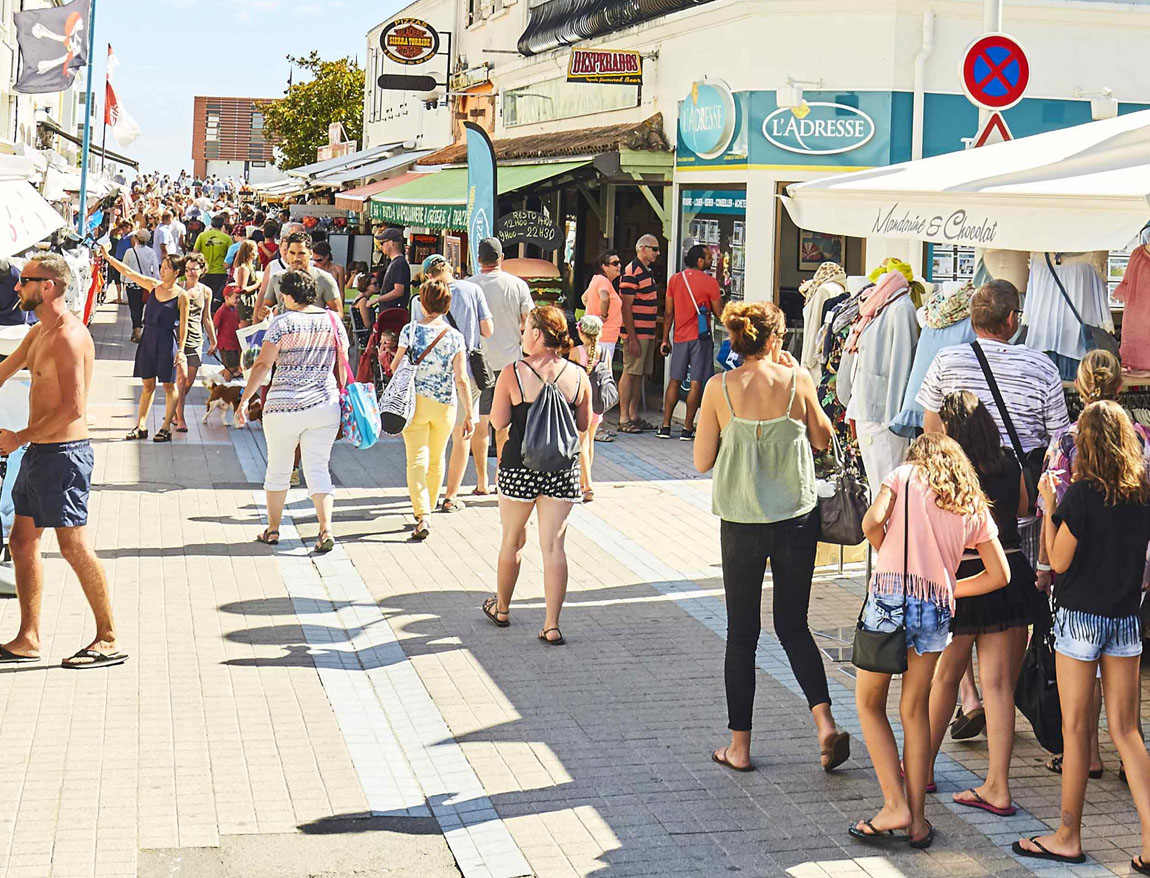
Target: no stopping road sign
995, 72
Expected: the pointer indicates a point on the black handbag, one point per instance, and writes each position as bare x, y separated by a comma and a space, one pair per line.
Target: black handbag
1036, 693
884, 652
481, 373
841, 514
1093, 337
1032, 462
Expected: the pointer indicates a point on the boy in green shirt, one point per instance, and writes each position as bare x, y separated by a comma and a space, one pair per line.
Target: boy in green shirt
214, 244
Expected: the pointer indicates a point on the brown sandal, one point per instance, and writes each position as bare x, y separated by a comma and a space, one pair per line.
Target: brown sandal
491, 611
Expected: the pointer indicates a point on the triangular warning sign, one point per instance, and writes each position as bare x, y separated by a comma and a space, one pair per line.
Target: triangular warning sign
994, 131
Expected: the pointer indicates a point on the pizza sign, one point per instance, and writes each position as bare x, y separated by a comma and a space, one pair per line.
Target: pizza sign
409, 41
605, 65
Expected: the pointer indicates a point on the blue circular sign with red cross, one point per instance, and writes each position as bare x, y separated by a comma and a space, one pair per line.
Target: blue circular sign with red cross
995, 72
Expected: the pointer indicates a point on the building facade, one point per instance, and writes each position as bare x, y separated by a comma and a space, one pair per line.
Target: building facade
228, 139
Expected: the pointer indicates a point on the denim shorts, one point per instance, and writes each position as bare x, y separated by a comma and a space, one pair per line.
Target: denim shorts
927, 623
1084, 636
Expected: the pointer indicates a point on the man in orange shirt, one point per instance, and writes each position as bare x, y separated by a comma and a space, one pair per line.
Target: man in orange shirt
692, 299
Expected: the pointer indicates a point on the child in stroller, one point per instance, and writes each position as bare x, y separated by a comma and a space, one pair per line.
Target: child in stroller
381, 345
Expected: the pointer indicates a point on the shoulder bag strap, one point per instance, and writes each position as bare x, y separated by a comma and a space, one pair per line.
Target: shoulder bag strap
1015, 443
690, 292
1062, 289
340, 355
427, 350
905, 541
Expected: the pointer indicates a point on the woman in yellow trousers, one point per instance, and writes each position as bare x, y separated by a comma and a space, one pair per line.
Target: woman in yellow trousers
440, 385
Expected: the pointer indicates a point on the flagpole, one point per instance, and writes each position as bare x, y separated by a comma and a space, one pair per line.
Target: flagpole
87, 118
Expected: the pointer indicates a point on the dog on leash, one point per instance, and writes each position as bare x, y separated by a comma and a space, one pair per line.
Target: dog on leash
225, 389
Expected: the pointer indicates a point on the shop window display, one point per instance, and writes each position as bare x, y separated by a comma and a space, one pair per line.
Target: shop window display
717, 218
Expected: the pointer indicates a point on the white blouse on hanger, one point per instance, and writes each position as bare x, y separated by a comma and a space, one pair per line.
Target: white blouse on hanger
1051, 324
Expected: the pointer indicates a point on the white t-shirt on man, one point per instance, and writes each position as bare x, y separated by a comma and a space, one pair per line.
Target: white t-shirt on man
508, 299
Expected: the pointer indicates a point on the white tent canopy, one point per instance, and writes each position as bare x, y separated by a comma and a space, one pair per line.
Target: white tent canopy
1081, 188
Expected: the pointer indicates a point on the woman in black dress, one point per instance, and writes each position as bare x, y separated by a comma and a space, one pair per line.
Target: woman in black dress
997, 621
157, 356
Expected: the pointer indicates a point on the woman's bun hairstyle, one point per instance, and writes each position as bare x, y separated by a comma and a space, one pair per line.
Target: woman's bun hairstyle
552, 322
751, 325
1099, 376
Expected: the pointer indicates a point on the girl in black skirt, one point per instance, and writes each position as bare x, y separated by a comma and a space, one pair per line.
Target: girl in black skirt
996, 621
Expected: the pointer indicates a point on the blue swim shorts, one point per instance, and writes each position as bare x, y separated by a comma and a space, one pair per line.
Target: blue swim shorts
53, 484
927, 623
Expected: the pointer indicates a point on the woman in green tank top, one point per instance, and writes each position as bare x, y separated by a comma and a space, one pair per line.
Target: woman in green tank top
757, 426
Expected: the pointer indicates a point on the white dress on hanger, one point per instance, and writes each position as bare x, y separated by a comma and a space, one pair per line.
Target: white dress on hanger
1051, 324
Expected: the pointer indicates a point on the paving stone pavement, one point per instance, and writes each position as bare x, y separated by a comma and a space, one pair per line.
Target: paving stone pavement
269, 691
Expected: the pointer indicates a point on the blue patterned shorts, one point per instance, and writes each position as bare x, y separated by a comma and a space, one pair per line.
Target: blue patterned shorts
1084, 636
927, 624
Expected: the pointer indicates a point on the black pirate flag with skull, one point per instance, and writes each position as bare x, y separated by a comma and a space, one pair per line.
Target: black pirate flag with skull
53, 46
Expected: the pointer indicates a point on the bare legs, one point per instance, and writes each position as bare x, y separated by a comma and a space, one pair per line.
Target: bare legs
552, 534
903, 807
671, 399
24, 544
629, 397
457, 463
586, 458
182, 390
146, 396
275, 500
480, 443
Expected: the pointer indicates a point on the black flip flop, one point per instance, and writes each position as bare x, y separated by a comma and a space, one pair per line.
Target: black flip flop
838, 752
1139, 866
968, 725
97, 660
558, 641
875, 836
7, 657
490, 611
1054, 764
723, 761
1043, 854
921, 844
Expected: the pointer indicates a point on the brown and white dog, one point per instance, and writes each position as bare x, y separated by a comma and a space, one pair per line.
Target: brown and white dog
225, 397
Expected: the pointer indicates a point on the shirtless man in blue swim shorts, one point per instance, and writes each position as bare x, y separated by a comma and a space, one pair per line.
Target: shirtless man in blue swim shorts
56, 474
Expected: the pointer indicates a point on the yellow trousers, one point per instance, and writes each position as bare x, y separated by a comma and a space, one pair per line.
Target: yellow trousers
425, 438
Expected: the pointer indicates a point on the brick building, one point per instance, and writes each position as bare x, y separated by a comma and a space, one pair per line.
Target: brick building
228, 139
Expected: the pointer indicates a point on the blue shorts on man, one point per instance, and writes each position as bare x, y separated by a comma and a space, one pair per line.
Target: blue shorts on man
53, 485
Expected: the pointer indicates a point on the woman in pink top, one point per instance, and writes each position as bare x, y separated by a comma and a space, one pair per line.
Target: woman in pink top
937, 491
603, 301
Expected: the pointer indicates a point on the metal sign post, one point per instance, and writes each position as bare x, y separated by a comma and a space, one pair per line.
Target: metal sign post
82, 222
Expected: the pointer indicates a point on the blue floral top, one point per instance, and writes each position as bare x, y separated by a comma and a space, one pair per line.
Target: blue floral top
435, 376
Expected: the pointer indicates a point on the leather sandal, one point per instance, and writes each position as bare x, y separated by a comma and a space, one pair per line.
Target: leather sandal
558, 641
267, 538
136, 433
491, 611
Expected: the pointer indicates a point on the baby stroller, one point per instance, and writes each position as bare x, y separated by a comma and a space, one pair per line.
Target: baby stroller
370, 370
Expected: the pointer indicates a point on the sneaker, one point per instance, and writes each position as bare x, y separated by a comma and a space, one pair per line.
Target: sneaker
295, 478
686, 435
663, 433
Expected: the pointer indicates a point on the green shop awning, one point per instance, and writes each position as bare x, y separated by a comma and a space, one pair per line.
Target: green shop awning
438, 200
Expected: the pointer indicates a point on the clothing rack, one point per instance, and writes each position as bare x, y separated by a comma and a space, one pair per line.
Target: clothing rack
1135, 400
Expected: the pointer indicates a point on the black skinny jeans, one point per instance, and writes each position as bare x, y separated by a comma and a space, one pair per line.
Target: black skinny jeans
790, 545
136, 305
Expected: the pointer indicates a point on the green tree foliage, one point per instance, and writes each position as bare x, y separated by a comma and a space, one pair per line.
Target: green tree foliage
299, 120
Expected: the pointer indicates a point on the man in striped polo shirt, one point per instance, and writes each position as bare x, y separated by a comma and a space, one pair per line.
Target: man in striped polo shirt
640, 309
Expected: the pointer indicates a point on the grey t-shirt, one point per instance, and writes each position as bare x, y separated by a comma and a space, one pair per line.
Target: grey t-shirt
508, 299
468, 307
324, 283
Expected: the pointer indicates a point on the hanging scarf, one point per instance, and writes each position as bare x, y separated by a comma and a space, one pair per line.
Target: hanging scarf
889, 287
892, 264
846, 313
828, 272
943, 309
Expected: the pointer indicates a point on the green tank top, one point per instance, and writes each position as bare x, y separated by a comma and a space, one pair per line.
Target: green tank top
765, 471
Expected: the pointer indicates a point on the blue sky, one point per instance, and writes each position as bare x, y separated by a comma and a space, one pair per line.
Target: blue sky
172, 50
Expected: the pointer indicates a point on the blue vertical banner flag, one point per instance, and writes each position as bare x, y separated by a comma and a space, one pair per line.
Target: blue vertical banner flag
54, 44
482, 190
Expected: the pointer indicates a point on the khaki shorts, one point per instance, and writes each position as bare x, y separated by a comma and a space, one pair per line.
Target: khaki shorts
460, 411
642, 364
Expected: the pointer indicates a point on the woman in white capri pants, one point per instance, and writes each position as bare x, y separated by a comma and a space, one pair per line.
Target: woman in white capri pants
302, 405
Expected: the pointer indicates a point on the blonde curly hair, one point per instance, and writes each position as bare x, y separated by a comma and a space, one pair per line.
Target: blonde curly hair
949, 474
1109, 454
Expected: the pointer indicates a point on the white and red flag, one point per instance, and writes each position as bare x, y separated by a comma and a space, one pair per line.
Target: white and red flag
124, 127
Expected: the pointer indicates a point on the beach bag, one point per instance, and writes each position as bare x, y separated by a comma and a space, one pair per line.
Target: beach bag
358, 414
550, 438
1036, 692
397, 405
1093, 337
845, 503
884, 652
604, 390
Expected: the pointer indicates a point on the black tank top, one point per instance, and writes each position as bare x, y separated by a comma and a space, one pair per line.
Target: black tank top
512, 457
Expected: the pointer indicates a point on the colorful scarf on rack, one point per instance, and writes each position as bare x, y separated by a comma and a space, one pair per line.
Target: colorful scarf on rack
942, 309
848, 312
889, 287
828, 272
892, 263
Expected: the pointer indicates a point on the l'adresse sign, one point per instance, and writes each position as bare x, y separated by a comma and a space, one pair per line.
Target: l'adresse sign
819, 128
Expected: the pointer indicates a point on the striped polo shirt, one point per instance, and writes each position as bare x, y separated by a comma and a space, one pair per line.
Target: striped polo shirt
638, 281
1030, 384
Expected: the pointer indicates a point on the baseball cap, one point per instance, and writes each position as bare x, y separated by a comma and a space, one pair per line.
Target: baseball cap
392, 235
490, 251
431, 261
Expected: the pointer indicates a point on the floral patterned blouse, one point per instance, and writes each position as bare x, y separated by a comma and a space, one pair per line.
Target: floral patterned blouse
435, 376
1062, 452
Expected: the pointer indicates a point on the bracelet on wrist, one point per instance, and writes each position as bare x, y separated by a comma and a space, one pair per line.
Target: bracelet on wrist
1043, 568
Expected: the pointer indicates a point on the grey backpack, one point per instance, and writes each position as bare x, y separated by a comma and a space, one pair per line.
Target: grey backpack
550, 438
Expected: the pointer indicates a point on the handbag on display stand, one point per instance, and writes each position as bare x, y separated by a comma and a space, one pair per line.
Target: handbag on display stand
841, 511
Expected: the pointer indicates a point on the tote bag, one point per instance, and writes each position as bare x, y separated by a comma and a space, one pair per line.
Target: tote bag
358, 414
1036, 693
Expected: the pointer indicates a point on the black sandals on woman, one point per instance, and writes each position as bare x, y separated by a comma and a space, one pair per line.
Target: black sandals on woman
1043, 854
162, 436
136, 433
421, 532
1054, 764
266, 537
558, 641
326, 542
491, 611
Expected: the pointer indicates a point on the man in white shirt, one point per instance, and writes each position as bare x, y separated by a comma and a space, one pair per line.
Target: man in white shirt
296, 253
509, 301
279, 265
164, 241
